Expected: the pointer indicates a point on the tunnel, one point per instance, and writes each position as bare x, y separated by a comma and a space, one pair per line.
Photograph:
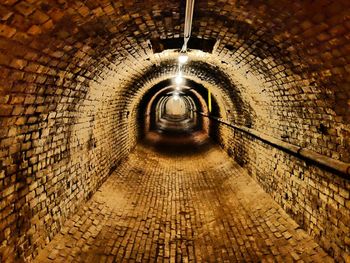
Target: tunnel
114, 149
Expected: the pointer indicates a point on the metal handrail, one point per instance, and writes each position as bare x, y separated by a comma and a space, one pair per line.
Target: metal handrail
299, 151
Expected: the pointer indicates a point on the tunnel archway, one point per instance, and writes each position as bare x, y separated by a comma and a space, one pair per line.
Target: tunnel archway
77, 78
147, 108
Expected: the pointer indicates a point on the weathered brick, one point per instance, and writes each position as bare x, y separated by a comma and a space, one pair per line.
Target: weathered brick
5, 110
83, 66
7, 31
25, 8
143, 222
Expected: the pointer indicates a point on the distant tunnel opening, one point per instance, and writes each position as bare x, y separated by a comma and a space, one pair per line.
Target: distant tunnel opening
178, 111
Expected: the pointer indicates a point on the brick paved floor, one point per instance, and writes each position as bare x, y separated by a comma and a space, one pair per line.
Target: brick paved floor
200, 207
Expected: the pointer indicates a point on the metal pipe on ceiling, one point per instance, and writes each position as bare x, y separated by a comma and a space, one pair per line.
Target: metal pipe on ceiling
188, 23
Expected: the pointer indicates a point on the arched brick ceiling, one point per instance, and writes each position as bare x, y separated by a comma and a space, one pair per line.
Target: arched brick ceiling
106, 96
296, 51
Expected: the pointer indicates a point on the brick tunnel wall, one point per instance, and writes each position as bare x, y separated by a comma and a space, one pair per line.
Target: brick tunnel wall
72, 73
312, 102
56, 151
315, 198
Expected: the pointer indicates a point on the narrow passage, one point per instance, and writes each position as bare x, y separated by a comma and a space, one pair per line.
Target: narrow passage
194, 207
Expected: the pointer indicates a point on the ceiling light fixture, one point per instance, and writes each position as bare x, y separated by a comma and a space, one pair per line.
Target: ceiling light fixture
183, 58
179, 79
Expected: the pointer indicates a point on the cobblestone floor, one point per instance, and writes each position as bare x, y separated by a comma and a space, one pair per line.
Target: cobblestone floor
200, 207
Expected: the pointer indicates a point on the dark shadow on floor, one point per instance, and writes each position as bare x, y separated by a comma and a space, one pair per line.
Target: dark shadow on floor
177, 144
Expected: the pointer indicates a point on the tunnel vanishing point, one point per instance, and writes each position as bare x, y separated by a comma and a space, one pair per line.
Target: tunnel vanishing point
111, 150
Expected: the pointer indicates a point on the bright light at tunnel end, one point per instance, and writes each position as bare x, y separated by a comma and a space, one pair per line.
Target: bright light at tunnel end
178, 79
176, 96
